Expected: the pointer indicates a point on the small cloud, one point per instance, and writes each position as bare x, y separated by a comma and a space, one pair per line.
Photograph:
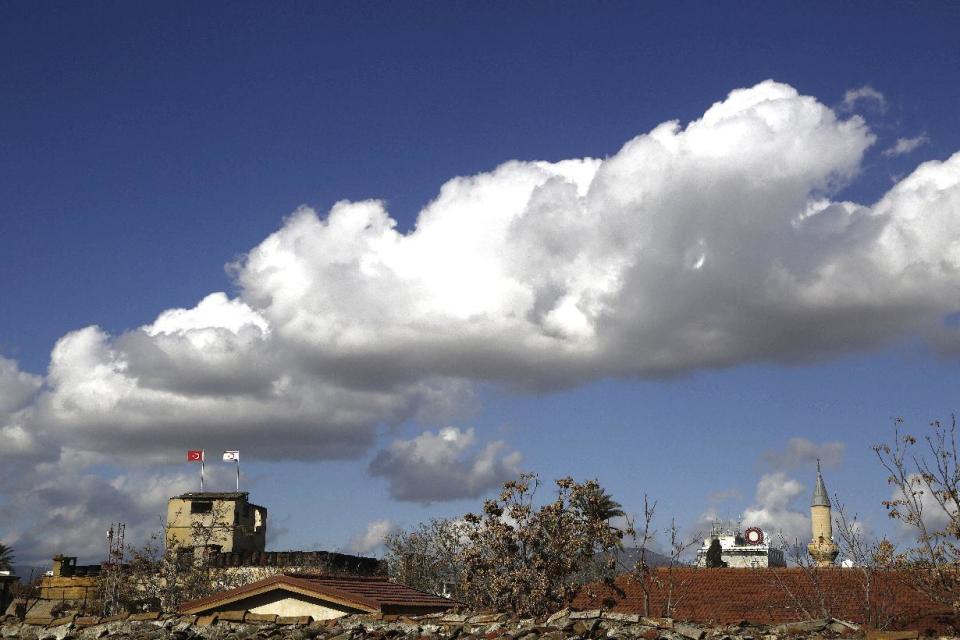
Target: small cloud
865, 94
801, 452
372, 538
773, 508
904, 146
444, 466
724, 495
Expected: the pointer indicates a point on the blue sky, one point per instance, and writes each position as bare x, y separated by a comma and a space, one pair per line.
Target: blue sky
144, 147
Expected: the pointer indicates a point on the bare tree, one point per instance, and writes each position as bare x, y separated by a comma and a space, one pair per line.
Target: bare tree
809, 595
926, 483
643, 537
163, 573
428, 557
663, 576
865, 559
674, 582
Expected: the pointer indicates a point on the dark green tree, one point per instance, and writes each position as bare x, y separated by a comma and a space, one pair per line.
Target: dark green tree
714, 555
6, 557
596, 504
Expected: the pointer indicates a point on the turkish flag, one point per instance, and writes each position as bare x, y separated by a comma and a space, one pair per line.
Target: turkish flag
195, 455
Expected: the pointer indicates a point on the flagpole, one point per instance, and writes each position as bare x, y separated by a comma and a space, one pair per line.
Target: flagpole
201, 473
238, 474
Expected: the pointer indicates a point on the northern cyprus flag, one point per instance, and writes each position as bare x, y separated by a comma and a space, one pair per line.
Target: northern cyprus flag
231, 456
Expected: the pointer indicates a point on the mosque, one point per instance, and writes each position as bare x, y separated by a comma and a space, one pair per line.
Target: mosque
752, 549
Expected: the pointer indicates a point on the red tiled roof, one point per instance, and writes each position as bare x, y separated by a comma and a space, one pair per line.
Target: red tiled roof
773, 596
369, 594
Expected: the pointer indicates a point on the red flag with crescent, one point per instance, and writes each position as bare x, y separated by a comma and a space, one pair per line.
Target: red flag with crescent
195, 455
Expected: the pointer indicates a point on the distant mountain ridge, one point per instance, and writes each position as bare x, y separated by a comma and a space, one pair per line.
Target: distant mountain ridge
629, 556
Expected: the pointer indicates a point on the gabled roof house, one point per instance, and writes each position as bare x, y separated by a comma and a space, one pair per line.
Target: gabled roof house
321, 597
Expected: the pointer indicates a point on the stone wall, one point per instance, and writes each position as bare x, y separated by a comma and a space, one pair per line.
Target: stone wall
69, 588
563, 625
326, 562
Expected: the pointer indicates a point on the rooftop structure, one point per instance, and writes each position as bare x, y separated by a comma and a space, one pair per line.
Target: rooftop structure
750, 549
216, 521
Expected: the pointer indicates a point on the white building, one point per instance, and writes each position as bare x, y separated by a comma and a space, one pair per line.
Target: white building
747, 550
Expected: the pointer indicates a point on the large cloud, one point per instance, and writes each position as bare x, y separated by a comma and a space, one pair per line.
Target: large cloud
17, 391
705, 245
58, 508
207, 377
444, 466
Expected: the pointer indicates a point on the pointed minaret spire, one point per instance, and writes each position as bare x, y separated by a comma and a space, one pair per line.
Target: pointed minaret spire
822, 548
820, 496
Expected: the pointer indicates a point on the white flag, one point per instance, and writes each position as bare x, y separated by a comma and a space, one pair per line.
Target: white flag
231, 455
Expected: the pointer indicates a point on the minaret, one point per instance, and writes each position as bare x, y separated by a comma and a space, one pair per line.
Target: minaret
821, 548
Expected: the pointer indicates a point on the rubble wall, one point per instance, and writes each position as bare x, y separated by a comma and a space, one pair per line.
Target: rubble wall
563, 625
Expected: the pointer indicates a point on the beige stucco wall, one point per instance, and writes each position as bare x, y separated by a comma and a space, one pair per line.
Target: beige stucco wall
283, 603
295, 607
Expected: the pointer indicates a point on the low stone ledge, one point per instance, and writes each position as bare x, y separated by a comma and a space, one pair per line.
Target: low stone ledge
892, 635
657, 623
260, 618
231, 616
630, 618
207, 621
115, 618
58, 622
585, 615
144, 617
689, 631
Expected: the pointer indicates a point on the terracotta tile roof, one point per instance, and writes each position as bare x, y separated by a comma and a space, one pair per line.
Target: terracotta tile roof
773, 596
370, 594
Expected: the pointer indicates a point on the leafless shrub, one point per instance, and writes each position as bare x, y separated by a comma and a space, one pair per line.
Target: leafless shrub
661, 577
428, 557
926, 484
810, 595
865, 559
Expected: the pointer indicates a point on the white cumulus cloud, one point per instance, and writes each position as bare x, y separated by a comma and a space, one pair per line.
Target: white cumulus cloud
774, 509
707, 244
